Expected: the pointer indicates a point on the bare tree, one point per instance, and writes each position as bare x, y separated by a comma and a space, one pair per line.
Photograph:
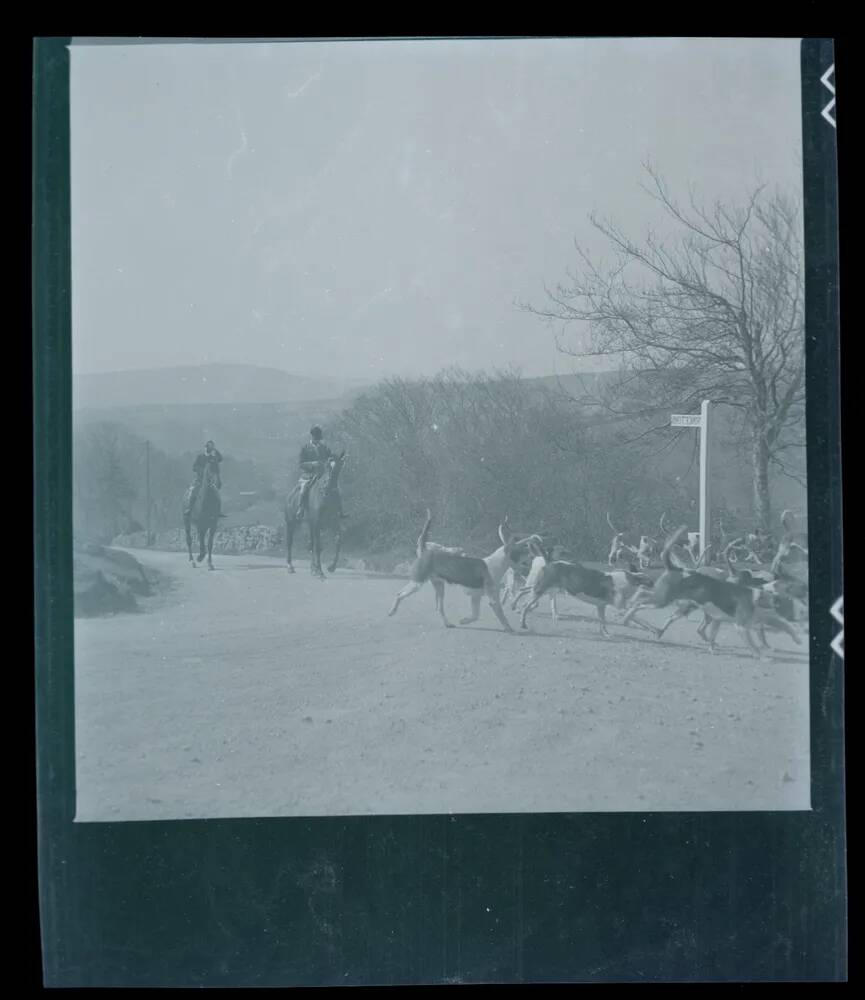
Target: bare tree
103, 489
475, 447
714, 312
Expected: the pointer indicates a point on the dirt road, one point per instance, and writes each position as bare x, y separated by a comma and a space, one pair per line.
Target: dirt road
248, 692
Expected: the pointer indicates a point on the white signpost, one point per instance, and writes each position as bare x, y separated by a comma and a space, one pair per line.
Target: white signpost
701, 421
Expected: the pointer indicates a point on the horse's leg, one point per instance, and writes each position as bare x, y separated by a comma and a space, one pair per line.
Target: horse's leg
187, 524
202, 541
289, 537
318, 567
315, 547
210, 536
335, 560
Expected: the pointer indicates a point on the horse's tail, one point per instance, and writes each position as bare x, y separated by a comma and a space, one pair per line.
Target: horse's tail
422, 538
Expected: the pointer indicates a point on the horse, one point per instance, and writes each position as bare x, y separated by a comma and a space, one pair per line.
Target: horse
204, 512
323, 510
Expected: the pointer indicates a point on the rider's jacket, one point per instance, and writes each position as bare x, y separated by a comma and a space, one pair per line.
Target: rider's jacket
203, 460
310, 455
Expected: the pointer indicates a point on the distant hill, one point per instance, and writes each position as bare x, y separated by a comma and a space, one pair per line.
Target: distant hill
576, 384
204, 384
270, 434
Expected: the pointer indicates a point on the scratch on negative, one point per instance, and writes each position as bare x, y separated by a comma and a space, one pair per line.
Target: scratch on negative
303, 86
241, 149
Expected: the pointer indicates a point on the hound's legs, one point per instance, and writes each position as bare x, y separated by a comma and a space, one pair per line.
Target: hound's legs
641, 599
496, 605
533, 603
407, 591
440, 600
602, 618
777, 622
476, 610
682, 611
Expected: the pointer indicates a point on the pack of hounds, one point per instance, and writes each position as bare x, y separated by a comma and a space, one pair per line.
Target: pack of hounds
528, 569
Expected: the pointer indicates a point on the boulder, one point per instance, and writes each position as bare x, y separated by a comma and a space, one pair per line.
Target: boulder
95, 594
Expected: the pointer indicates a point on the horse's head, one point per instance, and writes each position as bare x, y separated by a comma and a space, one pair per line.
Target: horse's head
333, 469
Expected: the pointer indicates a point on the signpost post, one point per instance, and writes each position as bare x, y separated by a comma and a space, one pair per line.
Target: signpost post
701, 421
147, 476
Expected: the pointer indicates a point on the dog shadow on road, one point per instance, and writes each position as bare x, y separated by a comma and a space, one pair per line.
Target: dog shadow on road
649, 642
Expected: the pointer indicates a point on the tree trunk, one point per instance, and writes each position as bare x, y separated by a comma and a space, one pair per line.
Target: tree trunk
760, 471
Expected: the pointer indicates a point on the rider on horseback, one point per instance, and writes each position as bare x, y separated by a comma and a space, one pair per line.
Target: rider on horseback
208, 460
312, 455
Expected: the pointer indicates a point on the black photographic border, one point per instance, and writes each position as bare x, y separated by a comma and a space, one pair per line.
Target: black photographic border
536, 898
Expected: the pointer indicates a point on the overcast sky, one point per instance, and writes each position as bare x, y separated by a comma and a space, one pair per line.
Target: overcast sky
365, 209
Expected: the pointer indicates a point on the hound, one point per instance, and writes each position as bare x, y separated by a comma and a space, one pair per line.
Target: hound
792, 591
754, 545
618, 548
720, 600
646, 551
518, 579
541, 557
591, 586
514, 581
649, 548
691, 546
739, 545
477, 576
773, 593
793, 545
683, 606
454, 550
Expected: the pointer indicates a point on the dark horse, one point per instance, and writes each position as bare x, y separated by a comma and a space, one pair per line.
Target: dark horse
204, 512
323, 510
